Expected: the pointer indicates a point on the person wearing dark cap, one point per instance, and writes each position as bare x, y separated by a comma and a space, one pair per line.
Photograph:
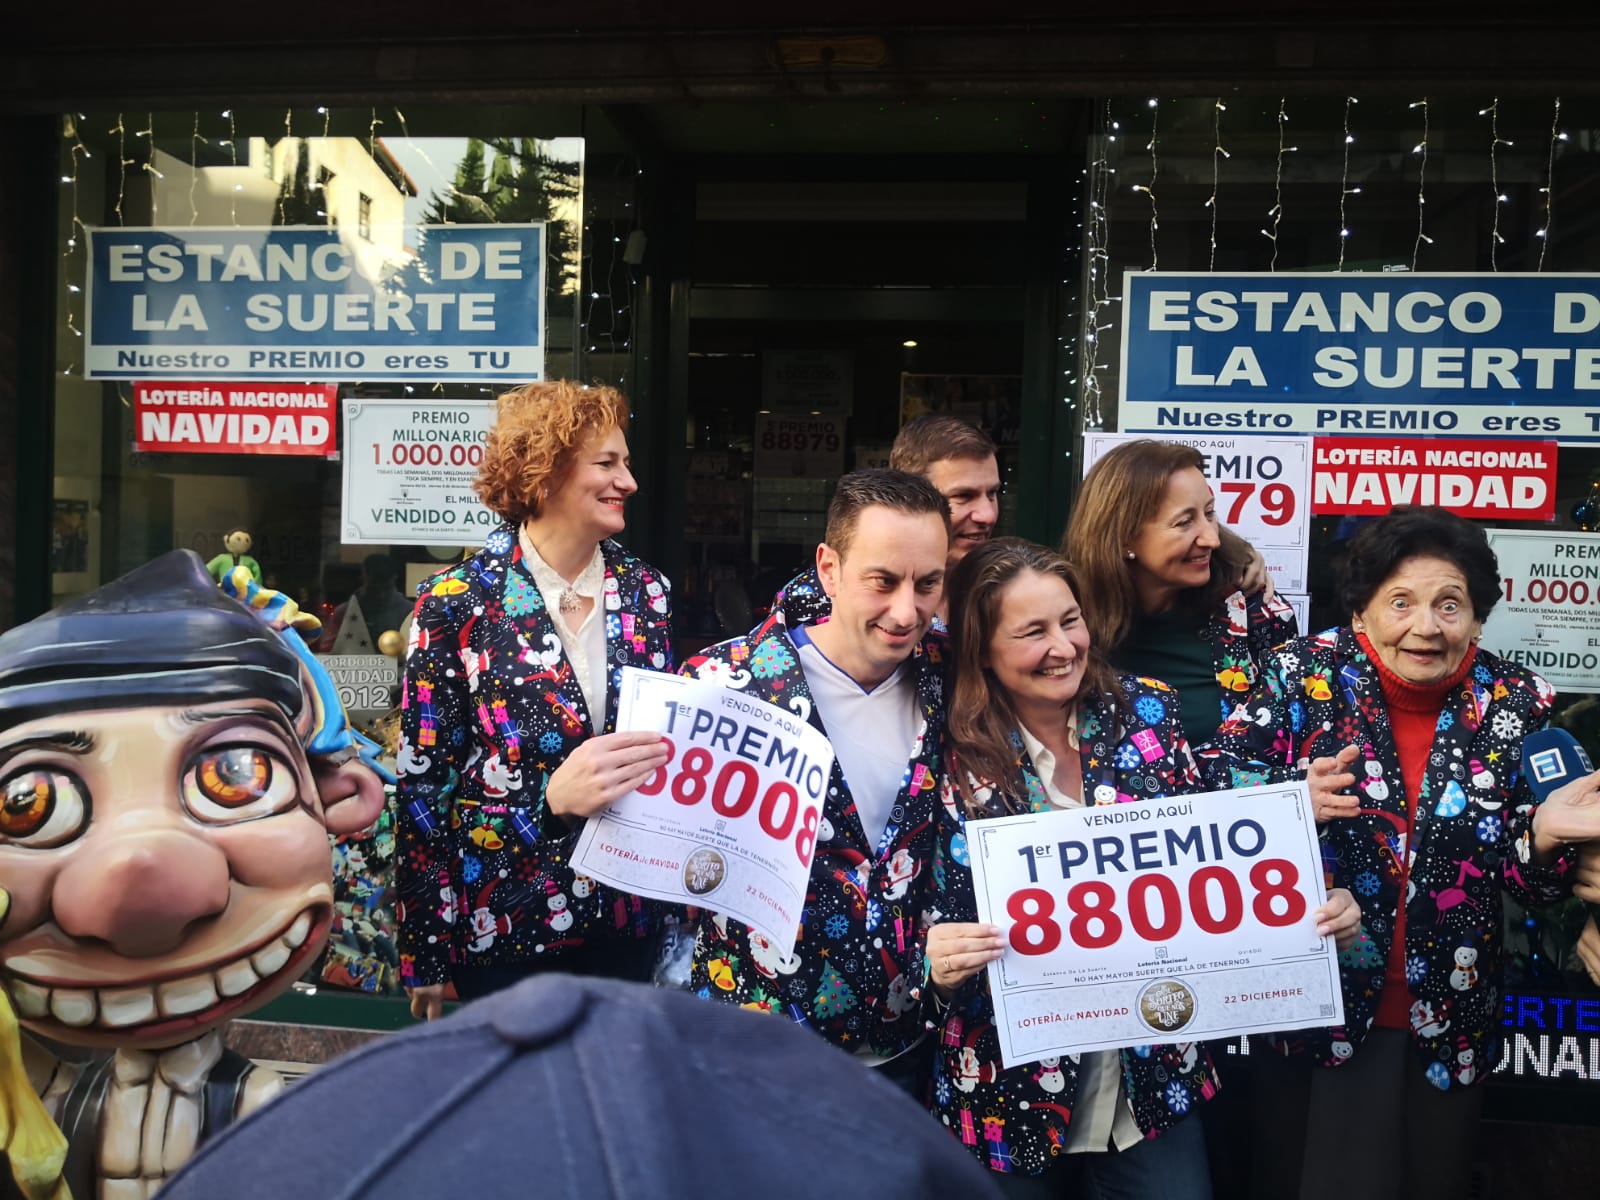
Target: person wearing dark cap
852, 650
172, 760
668, 1098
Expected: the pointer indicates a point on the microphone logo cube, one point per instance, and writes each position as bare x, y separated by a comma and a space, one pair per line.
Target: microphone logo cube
1546, 765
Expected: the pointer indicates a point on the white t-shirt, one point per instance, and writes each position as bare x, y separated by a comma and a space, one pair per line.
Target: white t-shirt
873, 732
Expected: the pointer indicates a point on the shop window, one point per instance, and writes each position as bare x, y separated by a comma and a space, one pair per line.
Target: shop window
1368, 186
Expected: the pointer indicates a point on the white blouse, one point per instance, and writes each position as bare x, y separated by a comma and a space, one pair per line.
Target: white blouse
585, 646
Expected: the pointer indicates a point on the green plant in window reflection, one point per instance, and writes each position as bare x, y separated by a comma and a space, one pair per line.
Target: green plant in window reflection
521, 184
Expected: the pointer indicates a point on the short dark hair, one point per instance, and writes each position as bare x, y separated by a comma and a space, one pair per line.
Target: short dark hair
1379, 548
899, 490
935, 437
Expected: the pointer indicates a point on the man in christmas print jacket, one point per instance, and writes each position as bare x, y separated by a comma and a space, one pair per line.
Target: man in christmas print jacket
849, 648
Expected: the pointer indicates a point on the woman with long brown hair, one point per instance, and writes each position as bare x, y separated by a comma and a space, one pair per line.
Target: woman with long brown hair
1038, 720
1164, 578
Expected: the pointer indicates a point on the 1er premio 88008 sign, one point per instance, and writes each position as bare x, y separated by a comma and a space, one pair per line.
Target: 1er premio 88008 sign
1170, 920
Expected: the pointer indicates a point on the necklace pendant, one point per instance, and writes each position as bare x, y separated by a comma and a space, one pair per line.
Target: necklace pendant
569, 600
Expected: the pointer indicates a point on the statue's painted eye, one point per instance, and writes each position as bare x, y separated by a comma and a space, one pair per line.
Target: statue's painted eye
42, 807
223, 784
234, 777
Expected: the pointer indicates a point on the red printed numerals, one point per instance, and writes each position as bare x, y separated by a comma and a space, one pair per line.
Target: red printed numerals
733, 793
1155, 909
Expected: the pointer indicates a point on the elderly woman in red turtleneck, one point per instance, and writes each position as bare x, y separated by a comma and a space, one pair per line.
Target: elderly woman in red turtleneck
1410, 736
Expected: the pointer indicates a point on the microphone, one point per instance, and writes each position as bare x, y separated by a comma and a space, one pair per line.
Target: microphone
1552, 757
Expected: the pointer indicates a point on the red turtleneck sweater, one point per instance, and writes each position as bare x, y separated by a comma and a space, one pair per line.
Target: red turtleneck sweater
1414, 716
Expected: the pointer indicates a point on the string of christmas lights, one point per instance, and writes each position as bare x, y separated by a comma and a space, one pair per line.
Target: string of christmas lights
1097, 237
1495, 142
194, 167
148, 133
1276, 212
1550, 182
233, 155
1344, 181
1422, 182
1149, 189
71, 128
121, 131
1217, 155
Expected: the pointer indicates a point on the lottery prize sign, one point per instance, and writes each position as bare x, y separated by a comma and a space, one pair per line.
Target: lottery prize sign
408, 472
1548, 618
1262, 487
730, 823
1173, 920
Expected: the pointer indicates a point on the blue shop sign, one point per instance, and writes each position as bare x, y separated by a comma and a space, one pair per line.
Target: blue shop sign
262, 302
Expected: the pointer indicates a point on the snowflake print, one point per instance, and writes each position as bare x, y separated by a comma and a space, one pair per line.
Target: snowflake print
1446, 720
1297, 714
836, 926
1177, 1097
1366, 883
1482, 674
1416, 970
549, 741
874, 915
1489, 828
1290, 663
1151, 711
613, 627
1507, 725
471, 868
1127, 757
941, 1090
498, 542
771, 659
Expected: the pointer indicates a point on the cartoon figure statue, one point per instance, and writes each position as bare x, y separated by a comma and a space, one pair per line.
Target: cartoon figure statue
172, 761
236, 545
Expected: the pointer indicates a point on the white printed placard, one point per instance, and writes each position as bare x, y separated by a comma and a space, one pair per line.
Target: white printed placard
1548, 618
408, 472
1173, 920
730, 823
1263, 492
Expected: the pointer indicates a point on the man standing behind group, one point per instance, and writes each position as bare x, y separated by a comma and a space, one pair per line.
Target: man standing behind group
960, 460
868, 676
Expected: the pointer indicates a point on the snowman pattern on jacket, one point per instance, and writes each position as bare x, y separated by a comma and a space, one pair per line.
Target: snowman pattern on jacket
857, 974
1015, 1119
489, 709
1242, 633
1471, 839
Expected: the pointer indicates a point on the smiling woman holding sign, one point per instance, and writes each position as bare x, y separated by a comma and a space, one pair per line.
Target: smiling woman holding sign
510, 696
1410, 736
1038, 720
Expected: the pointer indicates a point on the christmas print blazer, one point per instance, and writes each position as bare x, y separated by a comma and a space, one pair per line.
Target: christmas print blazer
489, 710
1243, 636
856, 972
1015, 1119
1473, 837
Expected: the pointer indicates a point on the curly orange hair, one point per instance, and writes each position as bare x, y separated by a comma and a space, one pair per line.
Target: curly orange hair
539, 427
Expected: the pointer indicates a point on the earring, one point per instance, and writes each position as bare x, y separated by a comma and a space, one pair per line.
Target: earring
1358, 626
1128, 555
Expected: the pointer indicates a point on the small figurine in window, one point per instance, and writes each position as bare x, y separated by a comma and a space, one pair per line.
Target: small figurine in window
236, 553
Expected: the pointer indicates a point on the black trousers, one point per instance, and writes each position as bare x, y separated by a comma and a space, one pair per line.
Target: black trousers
616, 959
1374, 1128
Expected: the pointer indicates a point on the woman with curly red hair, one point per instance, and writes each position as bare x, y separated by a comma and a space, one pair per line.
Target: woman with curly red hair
509, 708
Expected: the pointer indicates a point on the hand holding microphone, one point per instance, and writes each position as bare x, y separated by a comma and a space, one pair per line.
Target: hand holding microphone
1567, 787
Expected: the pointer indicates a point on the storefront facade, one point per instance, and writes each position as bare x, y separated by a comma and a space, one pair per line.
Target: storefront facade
781, 240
